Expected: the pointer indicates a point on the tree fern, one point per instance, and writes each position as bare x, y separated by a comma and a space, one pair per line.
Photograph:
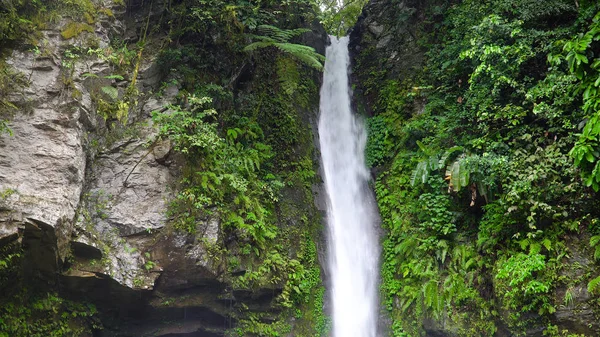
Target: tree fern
279, 35
272, 36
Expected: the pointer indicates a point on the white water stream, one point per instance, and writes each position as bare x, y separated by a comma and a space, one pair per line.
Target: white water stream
352, 216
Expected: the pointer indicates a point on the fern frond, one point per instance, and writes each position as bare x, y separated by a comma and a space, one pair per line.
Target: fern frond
442, 250
431, 295
305, 54
257, 45
309, 60
262, 38
271, 36
594, 240
114, 77
112, 92
279, 34
86, 75
298, 31
407, 302
406, 246
593, 284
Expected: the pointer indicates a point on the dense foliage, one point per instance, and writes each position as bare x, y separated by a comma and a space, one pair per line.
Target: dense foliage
482, 154
339, 16
248, 87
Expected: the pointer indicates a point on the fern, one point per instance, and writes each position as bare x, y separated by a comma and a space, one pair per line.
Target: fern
593, 284
431, 296
86, 75
278, 38
442, 250
279, 35
114, 77
406, 246
112, 92
594, 240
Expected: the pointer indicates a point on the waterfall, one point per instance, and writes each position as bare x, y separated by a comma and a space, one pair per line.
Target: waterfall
352, 215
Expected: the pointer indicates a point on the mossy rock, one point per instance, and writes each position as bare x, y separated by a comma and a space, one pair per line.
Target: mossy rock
73, 29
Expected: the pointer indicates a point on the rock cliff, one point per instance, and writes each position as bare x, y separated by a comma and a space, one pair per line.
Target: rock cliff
86, 183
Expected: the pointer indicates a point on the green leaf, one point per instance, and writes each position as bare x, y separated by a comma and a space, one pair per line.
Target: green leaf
594, 240
86, 75
547, 244
420, 173
276, 37
447, 155
112, 92
589, 157
593, 285
114, 77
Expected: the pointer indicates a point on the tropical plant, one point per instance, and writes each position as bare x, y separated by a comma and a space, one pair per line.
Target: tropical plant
271, 36
579, 55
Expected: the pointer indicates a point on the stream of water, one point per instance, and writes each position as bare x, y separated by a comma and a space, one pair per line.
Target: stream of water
352, 215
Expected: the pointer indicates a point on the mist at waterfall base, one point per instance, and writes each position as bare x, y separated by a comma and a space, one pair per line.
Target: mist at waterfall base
353, 252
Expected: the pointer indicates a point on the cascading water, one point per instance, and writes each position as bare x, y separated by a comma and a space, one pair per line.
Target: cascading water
352, 216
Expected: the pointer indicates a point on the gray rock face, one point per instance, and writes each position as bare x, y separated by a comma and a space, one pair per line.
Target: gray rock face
384, 40
43, 163
60, 205
78, 192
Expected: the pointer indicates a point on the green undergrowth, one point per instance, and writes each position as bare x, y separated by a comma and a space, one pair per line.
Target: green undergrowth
46, 314
482, 154
242, 126
26, 310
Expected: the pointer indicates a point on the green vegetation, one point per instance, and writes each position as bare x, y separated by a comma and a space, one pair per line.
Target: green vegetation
248, 151
73, 29
481, 153
246, 145
339, 16
275, 37
488, 156
44, 315
29, 312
